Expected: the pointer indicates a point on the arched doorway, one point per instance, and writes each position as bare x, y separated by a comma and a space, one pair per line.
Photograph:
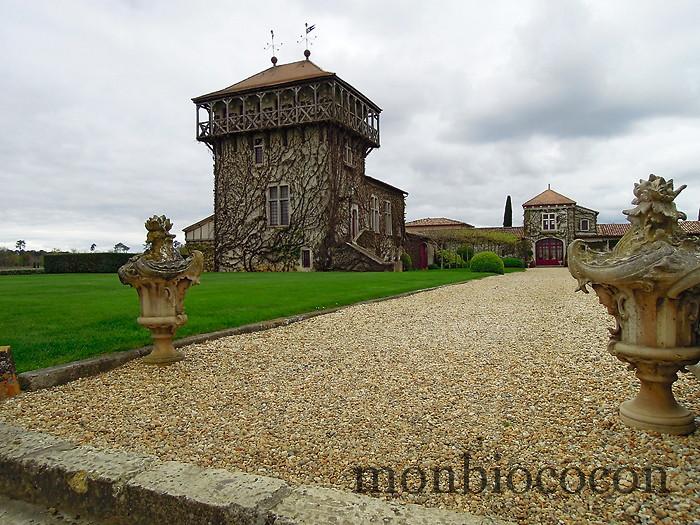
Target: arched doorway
549, 252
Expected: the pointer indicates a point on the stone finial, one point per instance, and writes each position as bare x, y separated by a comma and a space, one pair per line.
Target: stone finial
650, 283
161, 277
9, 386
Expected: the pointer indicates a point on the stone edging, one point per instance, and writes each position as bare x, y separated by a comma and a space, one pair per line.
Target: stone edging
124, 488
62, 374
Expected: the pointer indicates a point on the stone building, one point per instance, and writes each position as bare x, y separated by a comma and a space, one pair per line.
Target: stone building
551, 221
290, 188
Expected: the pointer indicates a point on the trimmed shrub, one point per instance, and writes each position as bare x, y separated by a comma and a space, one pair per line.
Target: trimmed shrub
406, 262
513, 262
486, 262
85, 262
433, 266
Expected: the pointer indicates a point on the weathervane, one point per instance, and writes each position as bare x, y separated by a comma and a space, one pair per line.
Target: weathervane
305, 38
271, 45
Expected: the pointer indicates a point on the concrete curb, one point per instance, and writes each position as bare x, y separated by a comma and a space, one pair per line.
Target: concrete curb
62, 374
124, 488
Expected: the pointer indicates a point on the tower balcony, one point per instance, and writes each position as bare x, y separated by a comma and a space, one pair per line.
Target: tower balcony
290, 106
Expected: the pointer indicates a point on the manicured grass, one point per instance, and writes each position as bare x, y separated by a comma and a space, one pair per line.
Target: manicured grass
51, 319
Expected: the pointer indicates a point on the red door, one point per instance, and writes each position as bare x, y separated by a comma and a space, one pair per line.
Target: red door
423, 256
549, 252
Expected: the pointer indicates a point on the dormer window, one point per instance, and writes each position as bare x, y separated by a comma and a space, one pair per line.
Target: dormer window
584, 225
549, 221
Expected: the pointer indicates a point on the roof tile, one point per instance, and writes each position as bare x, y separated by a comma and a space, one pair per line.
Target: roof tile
549, 198
273, 76
437, 221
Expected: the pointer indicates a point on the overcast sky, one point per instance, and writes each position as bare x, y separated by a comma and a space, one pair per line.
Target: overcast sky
480, 100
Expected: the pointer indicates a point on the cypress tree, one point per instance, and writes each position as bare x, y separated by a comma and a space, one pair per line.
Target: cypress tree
508, 214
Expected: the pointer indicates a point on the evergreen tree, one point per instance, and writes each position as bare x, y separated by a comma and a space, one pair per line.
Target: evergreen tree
508, 214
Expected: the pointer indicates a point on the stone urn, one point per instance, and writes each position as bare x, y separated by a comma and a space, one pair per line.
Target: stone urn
161, 277
650, 283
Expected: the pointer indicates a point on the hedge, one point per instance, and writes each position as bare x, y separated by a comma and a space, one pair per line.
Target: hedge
85, 262
21, 271
513, 262
486, 262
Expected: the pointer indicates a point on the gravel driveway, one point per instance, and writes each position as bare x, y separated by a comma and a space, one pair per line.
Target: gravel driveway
510, 372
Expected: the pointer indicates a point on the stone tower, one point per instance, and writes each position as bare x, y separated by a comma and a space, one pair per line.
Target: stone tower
289, 146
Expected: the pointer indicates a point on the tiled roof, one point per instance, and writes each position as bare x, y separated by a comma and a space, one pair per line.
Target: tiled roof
198, 223
613, 230
618, 230
691, 226
437, 221
274, 76
385, 184
518, 231
549, 198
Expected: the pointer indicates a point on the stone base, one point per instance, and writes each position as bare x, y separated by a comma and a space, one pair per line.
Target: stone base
158, 359
9, 386
681, 422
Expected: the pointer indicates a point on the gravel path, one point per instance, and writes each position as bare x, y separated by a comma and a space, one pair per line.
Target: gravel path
511, 370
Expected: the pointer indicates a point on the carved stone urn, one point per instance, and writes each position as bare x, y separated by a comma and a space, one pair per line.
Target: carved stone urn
161, 277
650, 283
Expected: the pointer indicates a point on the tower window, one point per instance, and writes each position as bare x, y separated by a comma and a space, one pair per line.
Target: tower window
374, 213
387, 218
348, 153
258, 150
278, 205
549, 221
584, 225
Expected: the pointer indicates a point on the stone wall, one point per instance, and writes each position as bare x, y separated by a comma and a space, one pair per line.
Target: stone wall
323, 183
298, 157
568, 224
386, 245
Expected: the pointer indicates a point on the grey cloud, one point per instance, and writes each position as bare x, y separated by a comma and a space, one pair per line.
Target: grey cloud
480, 100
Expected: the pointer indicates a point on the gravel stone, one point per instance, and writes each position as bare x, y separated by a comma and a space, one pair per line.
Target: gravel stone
512, 370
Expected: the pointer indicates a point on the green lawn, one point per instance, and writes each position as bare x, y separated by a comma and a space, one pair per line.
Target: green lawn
52, 319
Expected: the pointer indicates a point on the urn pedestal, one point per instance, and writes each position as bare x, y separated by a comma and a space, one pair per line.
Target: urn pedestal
650, 284
9, 386
655, 407
161, 277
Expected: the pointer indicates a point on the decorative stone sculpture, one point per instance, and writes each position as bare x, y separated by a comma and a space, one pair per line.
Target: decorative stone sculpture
161, 277
650, 283
9, 386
